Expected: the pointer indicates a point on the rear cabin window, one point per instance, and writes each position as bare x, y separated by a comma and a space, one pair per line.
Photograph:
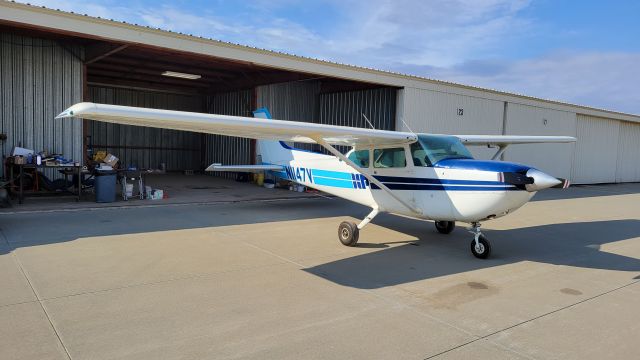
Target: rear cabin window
360, 158
389, 158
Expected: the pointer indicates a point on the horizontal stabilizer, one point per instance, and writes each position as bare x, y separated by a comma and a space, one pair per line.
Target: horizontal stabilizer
243, 168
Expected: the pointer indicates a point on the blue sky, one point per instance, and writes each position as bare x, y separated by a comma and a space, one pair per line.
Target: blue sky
585, 52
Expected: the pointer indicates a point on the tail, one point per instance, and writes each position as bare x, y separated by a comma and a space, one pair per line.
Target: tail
269, 151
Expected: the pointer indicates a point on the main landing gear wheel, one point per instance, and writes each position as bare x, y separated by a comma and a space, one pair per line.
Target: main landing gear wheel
348, 233
481, 249
445, 227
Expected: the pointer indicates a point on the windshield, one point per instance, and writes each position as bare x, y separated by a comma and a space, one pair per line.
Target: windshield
440, 147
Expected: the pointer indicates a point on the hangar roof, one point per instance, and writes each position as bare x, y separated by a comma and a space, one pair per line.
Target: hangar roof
46, 20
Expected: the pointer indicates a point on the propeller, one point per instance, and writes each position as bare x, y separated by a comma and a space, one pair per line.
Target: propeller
533, 180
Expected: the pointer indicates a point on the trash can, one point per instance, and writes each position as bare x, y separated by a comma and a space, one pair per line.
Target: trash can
105, 185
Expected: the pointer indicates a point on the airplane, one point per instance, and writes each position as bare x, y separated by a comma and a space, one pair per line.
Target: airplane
423, 176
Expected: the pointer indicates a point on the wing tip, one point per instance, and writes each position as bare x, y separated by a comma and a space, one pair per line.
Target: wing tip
76, 110
212, 167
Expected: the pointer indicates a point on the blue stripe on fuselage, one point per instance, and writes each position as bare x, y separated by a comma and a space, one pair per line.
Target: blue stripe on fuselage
333, 182
332, 174
348, 180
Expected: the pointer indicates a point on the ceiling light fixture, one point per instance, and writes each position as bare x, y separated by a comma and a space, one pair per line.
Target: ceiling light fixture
181, 75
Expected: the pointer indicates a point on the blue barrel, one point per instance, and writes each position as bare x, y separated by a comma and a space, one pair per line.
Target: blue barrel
105, 186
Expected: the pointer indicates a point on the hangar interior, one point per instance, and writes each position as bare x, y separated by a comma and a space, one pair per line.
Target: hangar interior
43, 73
43, 70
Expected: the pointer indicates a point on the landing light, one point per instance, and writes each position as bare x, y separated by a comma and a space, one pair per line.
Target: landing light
181, 75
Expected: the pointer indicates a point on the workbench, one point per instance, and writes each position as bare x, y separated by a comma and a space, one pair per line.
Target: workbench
66, 170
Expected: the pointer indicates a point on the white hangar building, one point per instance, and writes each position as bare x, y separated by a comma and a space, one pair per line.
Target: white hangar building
51, 59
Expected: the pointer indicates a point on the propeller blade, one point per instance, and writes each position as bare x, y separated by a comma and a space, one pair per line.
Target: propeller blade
563, 185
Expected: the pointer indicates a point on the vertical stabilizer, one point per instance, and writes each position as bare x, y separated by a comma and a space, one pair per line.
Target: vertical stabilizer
268, 151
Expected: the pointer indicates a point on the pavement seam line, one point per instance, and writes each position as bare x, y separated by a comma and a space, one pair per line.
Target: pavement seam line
485, 337
389, 301
18, 303
201, 203
35, 293
273, 254
159, 282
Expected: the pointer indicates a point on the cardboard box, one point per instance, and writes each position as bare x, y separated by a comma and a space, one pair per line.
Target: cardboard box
99, 156
111, 160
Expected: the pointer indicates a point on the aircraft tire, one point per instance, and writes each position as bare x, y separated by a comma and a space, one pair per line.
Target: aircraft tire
348, 233
445, 227
484, 250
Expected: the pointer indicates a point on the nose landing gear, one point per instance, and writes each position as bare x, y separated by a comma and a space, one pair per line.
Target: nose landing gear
480, 245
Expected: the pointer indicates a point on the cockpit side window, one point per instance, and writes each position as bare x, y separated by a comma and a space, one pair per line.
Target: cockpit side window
360, 158
419, 155
389, 158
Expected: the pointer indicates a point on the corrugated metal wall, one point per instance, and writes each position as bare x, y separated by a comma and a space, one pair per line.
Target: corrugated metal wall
346, 109
296, 101
606, 151
628, 167
38, 80
595, 159
555, 159
228, 150
438, 113
142, 146
302, 101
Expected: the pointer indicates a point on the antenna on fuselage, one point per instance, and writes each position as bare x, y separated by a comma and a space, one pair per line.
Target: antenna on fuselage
369, 122
407, 125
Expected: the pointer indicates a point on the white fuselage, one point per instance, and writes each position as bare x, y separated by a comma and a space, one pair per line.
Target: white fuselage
437, 193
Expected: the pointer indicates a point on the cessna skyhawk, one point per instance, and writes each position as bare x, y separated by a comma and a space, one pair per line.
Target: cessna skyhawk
425, 176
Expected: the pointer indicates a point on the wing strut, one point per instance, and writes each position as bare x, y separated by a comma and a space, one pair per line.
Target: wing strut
369, 177
500, 151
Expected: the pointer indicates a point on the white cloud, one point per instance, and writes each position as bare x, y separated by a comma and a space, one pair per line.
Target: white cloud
605, 80
435, 38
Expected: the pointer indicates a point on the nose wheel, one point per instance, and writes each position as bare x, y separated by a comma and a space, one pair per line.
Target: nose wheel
480, 245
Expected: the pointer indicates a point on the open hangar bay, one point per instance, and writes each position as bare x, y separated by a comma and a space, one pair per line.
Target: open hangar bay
267, 279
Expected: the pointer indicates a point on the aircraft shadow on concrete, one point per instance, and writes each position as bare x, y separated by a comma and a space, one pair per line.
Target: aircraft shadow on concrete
433, 255
430, 255
21, 230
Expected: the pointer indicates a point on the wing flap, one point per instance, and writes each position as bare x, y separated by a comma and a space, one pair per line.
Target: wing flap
247, 127
502, 140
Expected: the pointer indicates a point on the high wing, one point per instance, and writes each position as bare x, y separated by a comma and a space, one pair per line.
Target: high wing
248, 127
504, 140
